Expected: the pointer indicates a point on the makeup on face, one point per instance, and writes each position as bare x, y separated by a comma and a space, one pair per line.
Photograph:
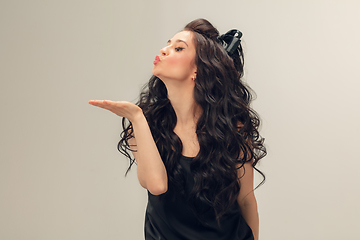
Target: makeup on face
157, 60
176, 59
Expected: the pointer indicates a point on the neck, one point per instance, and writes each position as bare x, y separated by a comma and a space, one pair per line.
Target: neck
182, 99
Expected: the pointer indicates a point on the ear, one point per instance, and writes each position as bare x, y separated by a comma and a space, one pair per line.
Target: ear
195, 75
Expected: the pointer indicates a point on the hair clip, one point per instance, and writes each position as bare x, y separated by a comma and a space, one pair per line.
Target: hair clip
230, 40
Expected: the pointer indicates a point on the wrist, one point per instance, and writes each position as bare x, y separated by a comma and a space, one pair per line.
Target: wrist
138, 117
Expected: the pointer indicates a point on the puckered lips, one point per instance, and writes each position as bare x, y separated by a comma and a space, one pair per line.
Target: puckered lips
157, 60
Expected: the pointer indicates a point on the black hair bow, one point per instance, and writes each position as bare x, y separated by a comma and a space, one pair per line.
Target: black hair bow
230, 40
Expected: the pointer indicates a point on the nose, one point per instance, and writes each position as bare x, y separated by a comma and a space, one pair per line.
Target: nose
164, 51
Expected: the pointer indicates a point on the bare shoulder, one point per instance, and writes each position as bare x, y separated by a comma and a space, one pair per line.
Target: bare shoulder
246, 181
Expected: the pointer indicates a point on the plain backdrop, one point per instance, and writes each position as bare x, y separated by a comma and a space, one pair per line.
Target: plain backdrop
61, 176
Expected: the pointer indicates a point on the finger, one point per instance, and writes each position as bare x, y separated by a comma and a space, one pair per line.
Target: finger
99, 103
92, 102
95, 102
114, 107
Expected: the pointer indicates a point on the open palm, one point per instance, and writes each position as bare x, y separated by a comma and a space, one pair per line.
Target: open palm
120, 108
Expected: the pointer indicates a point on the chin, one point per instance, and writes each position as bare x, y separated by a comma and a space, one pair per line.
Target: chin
154, 72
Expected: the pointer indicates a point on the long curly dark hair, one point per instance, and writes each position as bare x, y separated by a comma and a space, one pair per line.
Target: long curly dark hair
227, 129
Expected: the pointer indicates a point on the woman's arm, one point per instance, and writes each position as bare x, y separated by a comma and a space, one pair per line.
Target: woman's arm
247, 200
150, 167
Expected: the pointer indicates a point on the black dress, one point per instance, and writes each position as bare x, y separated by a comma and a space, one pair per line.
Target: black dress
173, 219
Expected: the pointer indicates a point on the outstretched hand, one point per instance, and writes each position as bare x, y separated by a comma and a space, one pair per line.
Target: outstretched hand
120, 108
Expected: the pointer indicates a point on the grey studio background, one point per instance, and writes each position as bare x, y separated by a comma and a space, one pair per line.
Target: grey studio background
61, 176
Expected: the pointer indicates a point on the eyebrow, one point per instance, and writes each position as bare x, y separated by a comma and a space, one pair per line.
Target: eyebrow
179, 40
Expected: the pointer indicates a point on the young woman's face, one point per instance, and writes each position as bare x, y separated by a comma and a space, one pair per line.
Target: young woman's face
177, 60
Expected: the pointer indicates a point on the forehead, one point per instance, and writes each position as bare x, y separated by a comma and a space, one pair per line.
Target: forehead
184, 36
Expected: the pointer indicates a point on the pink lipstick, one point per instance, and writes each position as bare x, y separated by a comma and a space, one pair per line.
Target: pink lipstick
157, 59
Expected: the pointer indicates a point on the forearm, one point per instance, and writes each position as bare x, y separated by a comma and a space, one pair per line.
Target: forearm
150, 167
251, 216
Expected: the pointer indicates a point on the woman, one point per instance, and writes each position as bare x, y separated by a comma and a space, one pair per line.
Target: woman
195, 139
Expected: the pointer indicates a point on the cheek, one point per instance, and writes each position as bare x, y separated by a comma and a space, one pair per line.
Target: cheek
174, 60
180, 62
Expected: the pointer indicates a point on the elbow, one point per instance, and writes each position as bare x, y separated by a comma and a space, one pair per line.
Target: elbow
157, 188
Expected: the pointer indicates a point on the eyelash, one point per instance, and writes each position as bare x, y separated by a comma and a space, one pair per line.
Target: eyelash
178, 49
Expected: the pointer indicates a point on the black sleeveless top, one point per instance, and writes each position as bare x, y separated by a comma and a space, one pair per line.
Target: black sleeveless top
169, 218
